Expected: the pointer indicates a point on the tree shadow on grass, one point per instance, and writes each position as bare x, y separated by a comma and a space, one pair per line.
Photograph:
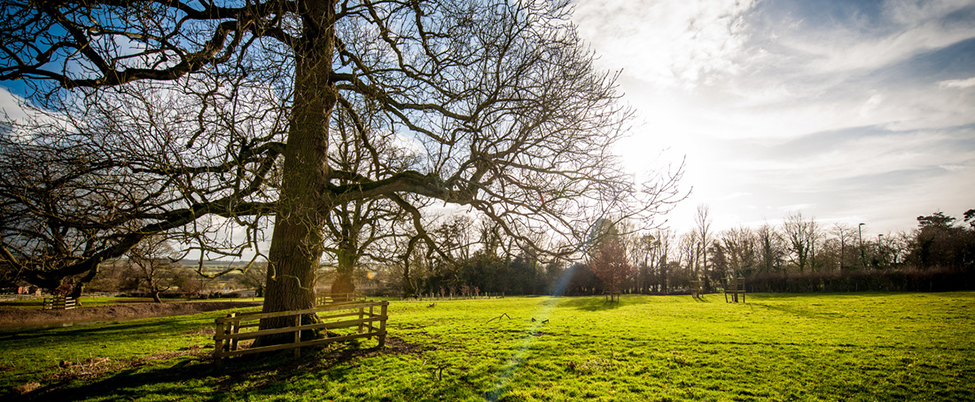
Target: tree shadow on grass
194, 376
589, 303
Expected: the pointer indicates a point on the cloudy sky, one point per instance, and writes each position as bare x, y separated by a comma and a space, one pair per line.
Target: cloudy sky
846, 111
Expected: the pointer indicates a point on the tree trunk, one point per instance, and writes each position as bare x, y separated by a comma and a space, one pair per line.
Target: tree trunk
79, 286
296, 243
155, 296
408, 289
343, 285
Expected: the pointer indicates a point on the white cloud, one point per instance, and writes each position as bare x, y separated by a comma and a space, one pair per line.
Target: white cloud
10, 105
863, 41
670, 42
850, 110
916, 12
962, 84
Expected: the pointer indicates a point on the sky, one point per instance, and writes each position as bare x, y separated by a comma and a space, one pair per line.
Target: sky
844, 111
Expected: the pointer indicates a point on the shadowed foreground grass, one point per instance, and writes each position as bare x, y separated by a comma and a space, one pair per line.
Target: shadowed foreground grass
775, 347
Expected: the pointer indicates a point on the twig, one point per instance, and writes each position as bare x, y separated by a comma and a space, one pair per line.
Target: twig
499, 317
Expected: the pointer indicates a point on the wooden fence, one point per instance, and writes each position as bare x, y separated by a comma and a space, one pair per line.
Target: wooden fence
60, 303
454, 296
328, 298
235, 327
735, 287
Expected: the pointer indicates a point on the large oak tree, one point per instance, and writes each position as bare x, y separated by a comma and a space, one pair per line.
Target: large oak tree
192, 117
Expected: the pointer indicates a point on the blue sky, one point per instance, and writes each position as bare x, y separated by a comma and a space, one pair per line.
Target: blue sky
846, 111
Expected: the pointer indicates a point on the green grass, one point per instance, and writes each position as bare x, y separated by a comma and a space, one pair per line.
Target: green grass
861, 347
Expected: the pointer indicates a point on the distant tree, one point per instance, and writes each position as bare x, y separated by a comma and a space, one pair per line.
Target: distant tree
664, 268
643, 253
770, 249
846, 238
155, 261
740, 246
582, 281
801, 234
937, 220
363, 230
253, 278
939, 243
610, 263
720, 269
703, 221
688, 254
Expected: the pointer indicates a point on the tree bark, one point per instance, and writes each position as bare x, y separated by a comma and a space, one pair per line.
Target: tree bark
296, 243
343, 285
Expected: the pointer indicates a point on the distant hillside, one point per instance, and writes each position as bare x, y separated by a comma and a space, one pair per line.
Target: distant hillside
224, 264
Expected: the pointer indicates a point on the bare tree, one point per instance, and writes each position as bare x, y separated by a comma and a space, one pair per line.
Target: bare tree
665, 240
643, 249
220, 116
801, 235
771, 253
703, 221
253, 278
688, 253
155, 260
847, 239
740, 246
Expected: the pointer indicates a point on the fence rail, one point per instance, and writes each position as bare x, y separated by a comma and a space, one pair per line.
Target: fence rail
363, 316
339, 298
60, 303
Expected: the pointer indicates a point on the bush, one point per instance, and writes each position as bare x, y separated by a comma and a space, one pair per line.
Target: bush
901, 280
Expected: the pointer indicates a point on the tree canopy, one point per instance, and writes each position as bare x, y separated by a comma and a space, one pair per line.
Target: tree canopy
194, 118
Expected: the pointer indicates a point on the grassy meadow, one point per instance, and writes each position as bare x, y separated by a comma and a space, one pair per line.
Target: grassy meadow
860, 347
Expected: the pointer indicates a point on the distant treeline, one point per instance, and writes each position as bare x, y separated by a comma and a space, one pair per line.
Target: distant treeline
800, 255
894, 280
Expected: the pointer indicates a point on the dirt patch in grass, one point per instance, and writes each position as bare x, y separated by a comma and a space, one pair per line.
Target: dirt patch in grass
17, 318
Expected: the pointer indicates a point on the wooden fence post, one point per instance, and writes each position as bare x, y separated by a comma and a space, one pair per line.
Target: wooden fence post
297, 335
219, 342
235, 329
382, 324
372, 327
361, 312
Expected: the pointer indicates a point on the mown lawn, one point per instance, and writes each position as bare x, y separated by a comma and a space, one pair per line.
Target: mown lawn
869, 347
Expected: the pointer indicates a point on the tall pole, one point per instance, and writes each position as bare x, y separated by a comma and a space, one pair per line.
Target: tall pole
842, 248
862, 257
881, 258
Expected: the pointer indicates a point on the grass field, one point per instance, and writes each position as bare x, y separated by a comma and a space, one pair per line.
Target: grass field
869, 347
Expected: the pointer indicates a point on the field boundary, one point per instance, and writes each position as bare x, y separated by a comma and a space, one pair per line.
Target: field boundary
60, 303
358, 314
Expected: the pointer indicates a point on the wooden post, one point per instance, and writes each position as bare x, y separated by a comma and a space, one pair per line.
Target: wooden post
297, 335
372, 328
361, 312
218, 343
741, 288
382, 324
235, 326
